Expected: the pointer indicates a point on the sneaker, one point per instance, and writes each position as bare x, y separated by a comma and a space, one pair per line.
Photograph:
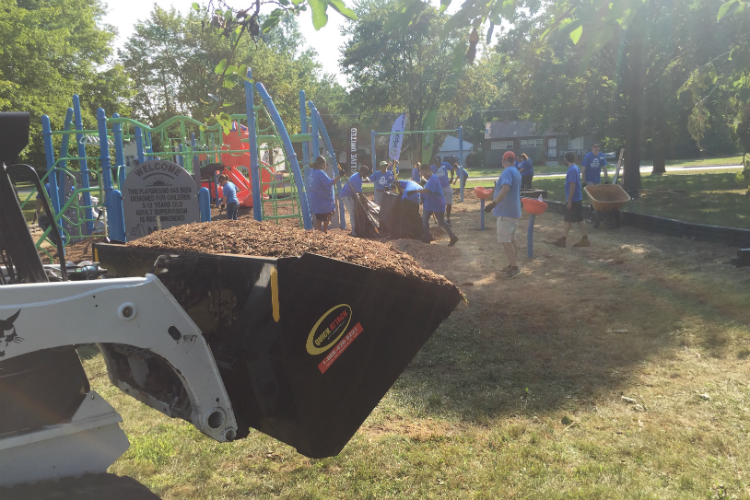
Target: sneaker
583, 243
505, 269
511, 273
453, 241
560, 242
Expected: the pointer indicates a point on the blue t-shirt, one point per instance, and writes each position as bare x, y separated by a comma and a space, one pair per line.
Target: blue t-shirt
382, 180
526, 167
573, 176
434, 201
320, 194
442, 172
409, 188
462, 173
593, 166
356, 182
230, 192
415, 175
510, 206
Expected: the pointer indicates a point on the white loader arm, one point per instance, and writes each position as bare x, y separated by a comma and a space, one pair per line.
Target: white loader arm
138, 312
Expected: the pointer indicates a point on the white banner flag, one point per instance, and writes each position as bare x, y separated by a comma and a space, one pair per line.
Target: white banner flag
397, 137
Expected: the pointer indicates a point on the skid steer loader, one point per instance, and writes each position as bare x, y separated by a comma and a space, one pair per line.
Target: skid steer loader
293, 347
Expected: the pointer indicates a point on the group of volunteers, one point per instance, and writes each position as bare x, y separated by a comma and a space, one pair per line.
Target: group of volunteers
431, 187
506, 202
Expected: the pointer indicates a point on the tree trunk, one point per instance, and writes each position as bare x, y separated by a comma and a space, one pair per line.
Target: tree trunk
634, 100
659, 160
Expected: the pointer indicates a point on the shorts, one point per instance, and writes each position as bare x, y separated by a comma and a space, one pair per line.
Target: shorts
575, 213
507, 228
324, 217
448, 193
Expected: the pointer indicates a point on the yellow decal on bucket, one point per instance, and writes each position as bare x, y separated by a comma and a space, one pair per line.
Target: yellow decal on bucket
329, 328
275, 294
96, 254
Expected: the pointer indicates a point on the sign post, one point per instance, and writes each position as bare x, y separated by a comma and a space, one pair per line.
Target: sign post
158, 193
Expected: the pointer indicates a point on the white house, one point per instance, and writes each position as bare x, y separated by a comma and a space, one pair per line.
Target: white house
450, 147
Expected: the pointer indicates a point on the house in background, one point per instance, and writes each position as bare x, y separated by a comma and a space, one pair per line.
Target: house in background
523, 137
450, 148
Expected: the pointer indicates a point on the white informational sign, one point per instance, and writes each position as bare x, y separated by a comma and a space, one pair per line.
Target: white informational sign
162, 189
397, 137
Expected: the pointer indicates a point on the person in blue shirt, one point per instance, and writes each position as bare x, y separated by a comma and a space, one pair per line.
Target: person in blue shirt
506, 206
416, 175
592, 166
434, 204
229, 199
526, 169
461, 174
444, 171
347, 194
410, 191
383, 180
573, 196
320, 194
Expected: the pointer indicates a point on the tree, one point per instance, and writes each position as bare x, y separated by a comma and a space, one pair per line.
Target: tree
409, 70
53, 49
180, 68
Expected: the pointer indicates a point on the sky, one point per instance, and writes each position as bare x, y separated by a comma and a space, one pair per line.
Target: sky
326, 42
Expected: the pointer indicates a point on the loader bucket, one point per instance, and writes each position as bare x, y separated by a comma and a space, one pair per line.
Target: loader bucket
306, 346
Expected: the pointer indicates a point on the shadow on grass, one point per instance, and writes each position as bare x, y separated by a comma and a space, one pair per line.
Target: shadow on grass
571, 337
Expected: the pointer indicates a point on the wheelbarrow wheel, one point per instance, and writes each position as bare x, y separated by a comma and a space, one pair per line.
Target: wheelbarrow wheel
596, 218
618, 218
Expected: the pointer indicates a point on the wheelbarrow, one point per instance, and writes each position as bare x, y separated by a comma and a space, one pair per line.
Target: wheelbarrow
606, 202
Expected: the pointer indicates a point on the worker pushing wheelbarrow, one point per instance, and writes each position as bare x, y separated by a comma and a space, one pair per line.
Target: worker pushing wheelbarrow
606, 202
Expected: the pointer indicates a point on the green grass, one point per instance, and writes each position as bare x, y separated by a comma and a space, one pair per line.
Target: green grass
518, 394
546, 169
709, 198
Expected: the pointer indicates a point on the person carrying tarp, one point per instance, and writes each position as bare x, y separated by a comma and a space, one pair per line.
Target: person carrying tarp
383, 180
320, 194
348, 192
410, 222
442, 169
434, 203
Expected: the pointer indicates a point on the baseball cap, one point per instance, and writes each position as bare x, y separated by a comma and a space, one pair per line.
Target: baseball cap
383, 163
509, 155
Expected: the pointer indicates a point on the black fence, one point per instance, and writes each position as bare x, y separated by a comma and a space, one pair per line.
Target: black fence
701, 232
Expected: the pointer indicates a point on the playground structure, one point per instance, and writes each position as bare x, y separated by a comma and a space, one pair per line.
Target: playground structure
76, 200
459, 130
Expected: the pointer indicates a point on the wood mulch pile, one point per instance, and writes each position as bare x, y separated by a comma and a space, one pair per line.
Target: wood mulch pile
249, 237
75, 252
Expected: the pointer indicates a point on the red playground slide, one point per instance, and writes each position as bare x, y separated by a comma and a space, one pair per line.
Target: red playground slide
233, 142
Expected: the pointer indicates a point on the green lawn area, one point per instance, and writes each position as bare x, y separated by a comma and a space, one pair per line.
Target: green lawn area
708, 198
546, 169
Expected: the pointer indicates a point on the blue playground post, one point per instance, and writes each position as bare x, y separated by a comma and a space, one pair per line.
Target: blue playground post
60, 171
289, 153
254, 164
204, 202
119, 153
216, 188
115, 227
481, 214
150, 148
331, 160
373, 155
315, 135
49, 154
179, 157
139, 145
83, 163
303, 126
530, 237
461, 160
